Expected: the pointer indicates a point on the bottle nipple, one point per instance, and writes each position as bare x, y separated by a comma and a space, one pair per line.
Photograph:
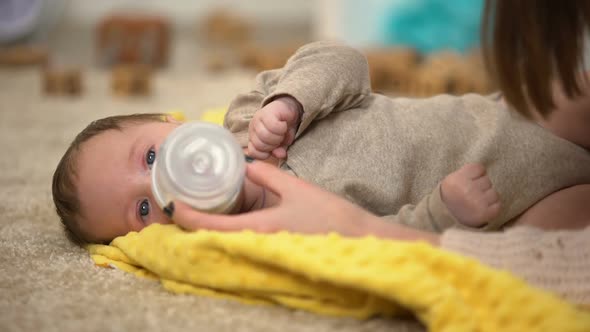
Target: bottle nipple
202, 163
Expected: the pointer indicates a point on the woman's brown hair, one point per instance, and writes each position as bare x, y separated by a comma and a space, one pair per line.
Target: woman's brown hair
530, 44
64, 188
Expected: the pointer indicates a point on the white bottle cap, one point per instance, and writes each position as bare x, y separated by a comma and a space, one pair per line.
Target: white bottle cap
200, 164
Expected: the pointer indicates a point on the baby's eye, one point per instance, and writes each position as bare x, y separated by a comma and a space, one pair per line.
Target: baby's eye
150, 157
144, 209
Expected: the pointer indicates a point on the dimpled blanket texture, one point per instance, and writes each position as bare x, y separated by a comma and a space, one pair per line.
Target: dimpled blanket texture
340, 276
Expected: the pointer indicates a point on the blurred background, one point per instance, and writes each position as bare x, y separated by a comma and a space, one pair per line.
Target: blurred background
414, 47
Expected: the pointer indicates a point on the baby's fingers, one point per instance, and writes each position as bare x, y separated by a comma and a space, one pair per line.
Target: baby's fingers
265, 135
280, 153
274, 124
261, 146
255, 153
289, 138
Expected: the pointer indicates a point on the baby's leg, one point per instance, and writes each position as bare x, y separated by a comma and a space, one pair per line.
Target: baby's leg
469, 195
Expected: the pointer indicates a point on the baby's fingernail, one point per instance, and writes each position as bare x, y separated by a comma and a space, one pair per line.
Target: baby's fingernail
248, 159
169, 209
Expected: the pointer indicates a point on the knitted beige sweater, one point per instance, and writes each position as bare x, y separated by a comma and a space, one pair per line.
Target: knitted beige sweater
558, 261
389, 155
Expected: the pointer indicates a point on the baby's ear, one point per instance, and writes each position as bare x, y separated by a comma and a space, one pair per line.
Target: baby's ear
171, 118
174, 117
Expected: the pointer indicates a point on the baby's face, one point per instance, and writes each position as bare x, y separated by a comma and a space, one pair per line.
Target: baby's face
114, 183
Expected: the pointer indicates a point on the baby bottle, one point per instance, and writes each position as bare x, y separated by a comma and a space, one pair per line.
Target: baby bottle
200, 164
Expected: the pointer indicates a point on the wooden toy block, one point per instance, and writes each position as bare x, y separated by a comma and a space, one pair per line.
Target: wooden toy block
23, 55
131, 80
391, 69
224, 27
265, 57
472, 78
62, 81
448, 72
133, 39
215, 62
425, 83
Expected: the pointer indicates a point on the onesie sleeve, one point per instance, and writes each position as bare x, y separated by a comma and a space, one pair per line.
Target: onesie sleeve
430, 214
324, 77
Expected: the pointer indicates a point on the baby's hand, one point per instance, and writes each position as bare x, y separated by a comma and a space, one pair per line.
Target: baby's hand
470, 197
273, 127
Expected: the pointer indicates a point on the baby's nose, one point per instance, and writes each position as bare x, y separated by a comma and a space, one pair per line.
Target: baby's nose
146, 183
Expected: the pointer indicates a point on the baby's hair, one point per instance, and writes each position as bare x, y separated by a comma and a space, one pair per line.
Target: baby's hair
64, 186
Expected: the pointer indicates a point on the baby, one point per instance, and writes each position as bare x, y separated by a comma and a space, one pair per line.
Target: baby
419, 162
102, 187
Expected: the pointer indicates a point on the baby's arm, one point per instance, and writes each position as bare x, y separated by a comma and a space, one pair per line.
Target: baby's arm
323, 77
465, 197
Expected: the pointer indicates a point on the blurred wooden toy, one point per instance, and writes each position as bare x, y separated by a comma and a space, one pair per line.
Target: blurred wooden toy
392, 69
262, 57
477, 73
452, 73
131, 80
223, 27
133, 39
61, 81
258, 57
216, 61
427, 82
404, 72
232, 44
22, 55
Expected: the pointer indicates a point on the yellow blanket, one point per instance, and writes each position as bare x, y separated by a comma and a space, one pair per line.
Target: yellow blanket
341, 276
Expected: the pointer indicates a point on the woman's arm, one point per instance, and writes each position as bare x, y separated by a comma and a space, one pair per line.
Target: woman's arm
301, 208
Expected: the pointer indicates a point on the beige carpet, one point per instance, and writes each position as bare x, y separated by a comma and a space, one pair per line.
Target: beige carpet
47, 284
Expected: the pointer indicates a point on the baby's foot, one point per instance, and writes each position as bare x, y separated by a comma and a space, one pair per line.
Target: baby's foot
469, 196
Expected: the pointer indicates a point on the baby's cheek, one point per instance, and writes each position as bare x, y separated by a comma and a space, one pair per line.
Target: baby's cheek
161, 218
